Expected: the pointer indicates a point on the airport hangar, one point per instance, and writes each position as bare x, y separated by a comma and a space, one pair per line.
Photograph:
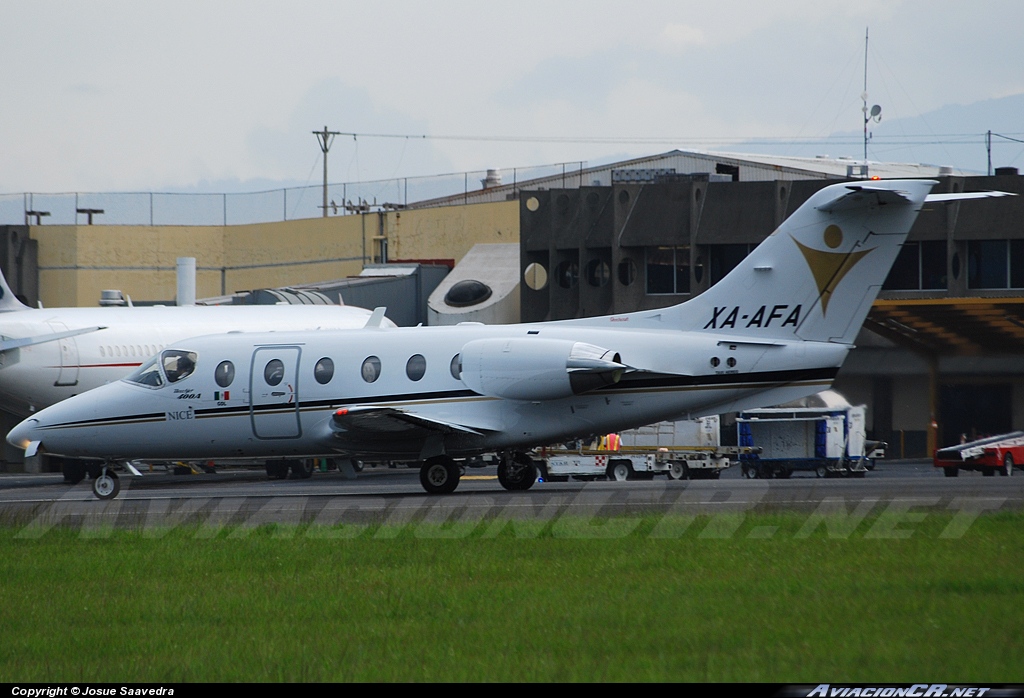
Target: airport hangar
941, 354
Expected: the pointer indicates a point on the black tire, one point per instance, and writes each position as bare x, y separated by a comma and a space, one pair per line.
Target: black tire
950, 471
750, 472
1008, 464
518, 473
821, 471
440, 475
678, 470
620, 470
107, 485
302, 469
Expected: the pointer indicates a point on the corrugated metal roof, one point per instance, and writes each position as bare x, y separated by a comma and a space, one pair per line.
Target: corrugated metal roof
753, 167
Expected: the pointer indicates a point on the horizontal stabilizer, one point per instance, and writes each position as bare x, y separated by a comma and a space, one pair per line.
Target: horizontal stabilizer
15, 343
863, 195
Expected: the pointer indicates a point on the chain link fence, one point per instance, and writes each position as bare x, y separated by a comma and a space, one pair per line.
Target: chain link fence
168, 208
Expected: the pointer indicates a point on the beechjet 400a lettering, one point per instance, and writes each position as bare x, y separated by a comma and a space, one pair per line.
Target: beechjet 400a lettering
775, 328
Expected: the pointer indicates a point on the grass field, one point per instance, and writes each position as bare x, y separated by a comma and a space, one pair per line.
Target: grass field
422, 603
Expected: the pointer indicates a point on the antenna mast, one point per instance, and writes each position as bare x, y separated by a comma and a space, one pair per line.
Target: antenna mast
876, 111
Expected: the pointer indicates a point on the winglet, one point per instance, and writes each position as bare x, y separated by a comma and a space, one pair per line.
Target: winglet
964, 195
377, 318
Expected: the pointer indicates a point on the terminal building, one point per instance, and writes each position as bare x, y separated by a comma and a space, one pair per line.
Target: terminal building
942, 352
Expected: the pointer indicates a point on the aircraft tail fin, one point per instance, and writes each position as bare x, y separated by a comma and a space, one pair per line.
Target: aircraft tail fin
817, 275
8, 301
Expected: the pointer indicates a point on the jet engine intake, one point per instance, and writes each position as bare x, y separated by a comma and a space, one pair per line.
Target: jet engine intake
531, 368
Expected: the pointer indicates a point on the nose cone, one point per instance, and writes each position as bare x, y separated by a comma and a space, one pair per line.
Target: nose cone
24, 434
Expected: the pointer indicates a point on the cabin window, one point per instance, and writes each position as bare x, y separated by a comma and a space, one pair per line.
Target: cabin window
178, 364
273, 372
371, 369
224, 373
148, 374
456, 367
323, 372
415, 367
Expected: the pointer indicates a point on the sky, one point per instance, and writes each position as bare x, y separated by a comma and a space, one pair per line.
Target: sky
108, 95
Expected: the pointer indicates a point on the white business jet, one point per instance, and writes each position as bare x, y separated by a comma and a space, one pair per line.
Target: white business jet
774, 329
49, 354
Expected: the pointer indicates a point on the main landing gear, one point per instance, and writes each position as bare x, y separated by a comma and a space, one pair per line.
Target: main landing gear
107, 485
441, 474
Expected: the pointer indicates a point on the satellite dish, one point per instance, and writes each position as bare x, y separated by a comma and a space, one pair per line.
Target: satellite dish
875, 111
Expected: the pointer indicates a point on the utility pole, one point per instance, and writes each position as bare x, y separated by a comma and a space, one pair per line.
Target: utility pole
325, 138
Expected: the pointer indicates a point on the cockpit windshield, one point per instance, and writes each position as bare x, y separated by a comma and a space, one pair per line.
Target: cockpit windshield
171, 366
178, 364
147, 374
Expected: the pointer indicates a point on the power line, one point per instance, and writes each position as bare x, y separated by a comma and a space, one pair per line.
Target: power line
846, 139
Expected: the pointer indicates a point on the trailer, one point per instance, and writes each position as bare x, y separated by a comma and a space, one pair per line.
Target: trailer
682, 450
991, 455
828, 441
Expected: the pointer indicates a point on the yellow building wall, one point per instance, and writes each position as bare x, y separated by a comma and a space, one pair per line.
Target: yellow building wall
76, 263
450, 231
269, 255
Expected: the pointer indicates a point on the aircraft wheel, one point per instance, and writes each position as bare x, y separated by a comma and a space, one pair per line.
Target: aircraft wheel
517, 473
620, 470
1007, 465
302, 468
678, 470
950, 472
440, 475
107, 485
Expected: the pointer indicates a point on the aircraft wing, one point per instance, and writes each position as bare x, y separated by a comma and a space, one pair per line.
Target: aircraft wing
16, 342
380, 421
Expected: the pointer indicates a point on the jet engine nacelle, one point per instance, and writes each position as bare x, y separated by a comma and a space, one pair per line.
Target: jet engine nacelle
531, 368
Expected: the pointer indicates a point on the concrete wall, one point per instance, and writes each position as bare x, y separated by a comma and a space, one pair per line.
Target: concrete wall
76, 263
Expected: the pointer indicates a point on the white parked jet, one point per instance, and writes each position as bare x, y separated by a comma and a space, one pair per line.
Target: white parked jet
50, 354
774, 329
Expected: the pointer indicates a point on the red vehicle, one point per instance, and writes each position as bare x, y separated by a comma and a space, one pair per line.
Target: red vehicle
989, 455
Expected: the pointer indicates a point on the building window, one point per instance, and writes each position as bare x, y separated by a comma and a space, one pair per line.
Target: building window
668, 270
995, 264
920, 266
724, 258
